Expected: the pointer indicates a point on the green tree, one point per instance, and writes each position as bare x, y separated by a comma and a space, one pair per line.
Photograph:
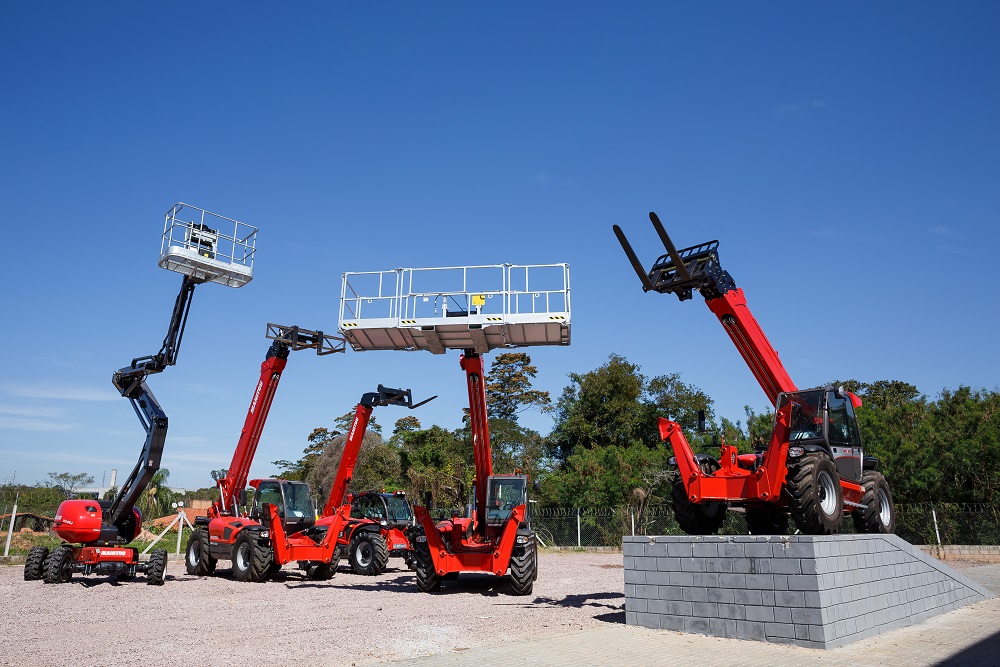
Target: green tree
377, 466
508, 387
437, 461
155, 500
68, 482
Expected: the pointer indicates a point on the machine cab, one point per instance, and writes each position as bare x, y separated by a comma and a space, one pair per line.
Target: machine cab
825, 418
391, 508
503, 494
293, 501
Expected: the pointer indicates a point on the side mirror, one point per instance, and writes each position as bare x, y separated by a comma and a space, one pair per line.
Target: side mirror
536, 486
428, 499
701, 421
243, 497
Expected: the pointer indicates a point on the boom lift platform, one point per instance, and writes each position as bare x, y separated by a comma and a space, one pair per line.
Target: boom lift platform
94, 532
478, 308
814, 467
474, 309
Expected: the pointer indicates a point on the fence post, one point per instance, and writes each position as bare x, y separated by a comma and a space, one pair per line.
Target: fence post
632, 512
936, 531
579, 543
10, 526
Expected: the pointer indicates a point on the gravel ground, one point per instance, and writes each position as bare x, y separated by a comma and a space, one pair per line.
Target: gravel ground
350, 620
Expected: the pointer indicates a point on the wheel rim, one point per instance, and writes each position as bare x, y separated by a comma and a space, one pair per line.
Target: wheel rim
827, 493
243, 556
193, 556
364, 554
884, 512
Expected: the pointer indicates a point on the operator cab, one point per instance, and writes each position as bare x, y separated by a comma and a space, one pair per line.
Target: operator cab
503, 494
824, 418
391, 508
292, 500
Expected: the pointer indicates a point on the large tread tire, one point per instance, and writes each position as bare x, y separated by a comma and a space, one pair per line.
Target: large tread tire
58, 568
156, 569
197, 559
762, 521
368, 554
697, 518
321, 571
428, 579
524, 569
814, 495
251, 558
880, 513
34, 564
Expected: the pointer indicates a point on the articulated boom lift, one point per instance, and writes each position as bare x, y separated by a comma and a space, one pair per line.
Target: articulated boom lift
474, 309
813, 468
95, 531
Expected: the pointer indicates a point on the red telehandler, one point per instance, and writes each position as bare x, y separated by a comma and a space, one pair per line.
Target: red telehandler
280, 525
498, 536
814, 467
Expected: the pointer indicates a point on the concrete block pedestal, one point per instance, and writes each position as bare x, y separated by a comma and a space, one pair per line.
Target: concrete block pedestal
813, 591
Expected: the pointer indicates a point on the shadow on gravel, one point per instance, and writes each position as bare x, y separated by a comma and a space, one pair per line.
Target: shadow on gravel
597, 600
983, 652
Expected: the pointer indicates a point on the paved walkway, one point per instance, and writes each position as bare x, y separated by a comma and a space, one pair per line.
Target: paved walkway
966, 636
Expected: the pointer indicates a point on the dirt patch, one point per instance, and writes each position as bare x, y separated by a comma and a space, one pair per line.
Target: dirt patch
348, 620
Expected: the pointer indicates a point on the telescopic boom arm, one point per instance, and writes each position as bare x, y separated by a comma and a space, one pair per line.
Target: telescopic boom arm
356, 435
286, 339
697, 268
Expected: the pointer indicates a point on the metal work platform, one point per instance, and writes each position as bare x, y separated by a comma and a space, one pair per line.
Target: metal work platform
477, 308
207, 246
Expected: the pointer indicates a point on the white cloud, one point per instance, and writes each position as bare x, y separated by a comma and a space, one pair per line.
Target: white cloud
60, 393
20, 424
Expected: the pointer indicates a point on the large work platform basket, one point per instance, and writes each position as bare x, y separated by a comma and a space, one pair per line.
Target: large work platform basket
207, 246
477, 308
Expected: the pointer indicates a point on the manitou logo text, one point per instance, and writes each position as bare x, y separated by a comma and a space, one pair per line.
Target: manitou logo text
113, 552
256, 395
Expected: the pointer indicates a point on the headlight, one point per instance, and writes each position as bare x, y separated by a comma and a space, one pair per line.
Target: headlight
421, 538
265, 533
796, 452
522, 539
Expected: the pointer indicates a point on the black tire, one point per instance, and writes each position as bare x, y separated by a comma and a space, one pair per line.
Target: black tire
761, 521
523, 568
59, 566
368, 554
321, 571
704, 518
156, 569
251, 558
814, 495
273, 568
197, 559
428, 579
34, 564
880, 513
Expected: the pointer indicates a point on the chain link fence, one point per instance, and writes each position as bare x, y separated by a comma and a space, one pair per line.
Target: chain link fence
918, 523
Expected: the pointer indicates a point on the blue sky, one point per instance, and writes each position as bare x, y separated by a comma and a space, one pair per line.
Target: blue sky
847, 158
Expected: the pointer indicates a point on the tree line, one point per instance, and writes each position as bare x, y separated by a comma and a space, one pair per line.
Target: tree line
605, 450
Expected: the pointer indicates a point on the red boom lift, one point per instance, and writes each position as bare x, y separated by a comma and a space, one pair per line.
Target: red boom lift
94, 532
814, 467
497, 537
280, 525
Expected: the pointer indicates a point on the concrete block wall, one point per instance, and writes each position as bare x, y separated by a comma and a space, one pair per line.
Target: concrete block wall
814, 591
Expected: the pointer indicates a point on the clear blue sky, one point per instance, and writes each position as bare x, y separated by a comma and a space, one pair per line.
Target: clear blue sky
847, 157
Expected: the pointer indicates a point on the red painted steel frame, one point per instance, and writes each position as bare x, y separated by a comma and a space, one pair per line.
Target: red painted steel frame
482, 454
298, 546
473, 548
348, 459
742, 327
733, 482
236, 477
